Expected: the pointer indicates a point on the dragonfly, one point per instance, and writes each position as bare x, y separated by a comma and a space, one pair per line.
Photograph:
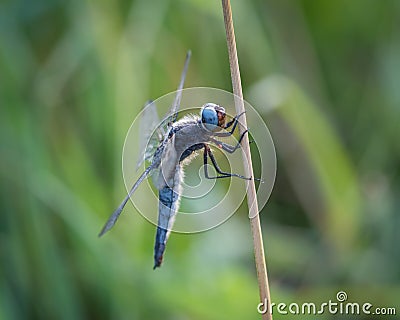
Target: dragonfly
177, 143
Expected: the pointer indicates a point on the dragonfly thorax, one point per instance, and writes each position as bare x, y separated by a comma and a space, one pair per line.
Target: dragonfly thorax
212, 116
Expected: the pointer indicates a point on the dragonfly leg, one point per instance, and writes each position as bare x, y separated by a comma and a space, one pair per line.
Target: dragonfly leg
227, 147
233, 122
222, 174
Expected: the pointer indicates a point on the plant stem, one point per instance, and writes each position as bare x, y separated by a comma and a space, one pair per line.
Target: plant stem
251, 190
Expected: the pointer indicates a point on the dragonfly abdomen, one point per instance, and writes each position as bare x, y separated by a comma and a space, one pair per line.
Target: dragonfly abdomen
169, 198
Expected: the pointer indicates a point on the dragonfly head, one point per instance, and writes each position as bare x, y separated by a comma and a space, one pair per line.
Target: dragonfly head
212, 116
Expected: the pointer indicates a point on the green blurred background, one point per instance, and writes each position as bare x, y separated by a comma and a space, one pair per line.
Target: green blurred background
74, 74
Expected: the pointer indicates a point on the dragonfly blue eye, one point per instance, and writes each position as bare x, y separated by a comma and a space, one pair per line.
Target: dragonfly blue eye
209, 116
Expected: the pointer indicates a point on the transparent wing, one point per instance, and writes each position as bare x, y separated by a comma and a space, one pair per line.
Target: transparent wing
150, 133
115, 215
173, 112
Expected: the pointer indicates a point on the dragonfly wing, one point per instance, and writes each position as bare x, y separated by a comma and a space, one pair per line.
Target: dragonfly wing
173, 113
115, 215
150, 133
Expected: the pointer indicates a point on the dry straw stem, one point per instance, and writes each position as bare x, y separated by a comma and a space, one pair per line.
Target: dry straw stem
251, 190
